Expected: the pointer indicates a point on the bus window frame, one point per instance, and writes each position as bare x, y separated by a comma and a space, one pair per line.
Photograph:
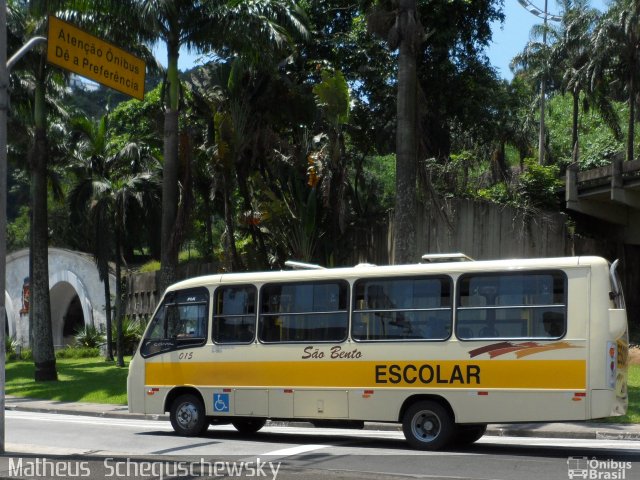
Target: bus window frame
564, 306
175, 343
255, 314
443, 277
337, 281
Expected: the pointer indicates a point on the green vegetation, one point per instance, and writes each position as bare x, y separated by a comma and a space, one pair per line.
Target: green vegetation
79, 380
150, 266
89, 336
598, 143
633, 412
78, 352
132, 331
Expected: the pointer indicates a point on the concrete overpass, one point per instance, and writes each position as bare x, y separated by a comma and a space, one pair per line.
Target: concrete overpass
77, 294
610, 193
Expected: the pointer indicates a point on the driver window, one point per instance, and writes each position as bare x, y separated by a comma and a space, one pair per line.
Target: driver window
181, 321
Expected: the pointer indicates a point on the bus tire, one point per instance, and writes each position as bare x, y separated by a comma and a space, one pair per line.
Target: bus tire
248, 426
188, 416
427, 425
468, 434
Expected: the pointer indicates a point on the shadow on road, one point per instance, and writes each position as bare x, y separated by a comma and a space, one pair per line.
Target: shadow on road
398, 446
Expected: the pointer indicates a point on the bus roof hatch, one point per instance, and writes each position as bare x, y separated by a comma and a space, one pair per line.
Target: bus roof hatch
446, 257
302, 265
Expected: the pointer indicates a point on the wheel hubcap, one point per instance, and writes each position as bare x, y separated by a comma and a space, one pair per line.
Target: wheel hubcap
187, 415
425, 426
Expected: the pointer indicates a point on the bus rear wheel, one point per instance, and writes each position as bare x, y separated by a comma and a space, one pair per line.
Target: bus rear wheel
427, 425
188, 416
247, 426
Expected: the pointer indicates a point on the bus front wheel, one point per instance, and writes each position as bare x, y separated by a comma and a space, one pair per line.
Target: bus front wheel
247, 426
427, 425
188, 416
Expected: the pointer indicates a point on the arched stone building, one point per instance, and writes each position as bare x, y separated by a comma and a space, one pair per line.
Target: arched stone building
77, 294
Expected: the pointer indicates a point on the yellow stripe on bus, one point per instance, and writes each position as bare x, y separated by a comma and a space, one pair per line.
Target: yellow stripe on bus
521, 374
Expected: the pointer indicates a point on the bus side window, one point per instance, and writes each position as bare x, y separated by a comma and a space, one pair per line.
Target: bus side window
512, 305
405, 308
312, 311
234, 317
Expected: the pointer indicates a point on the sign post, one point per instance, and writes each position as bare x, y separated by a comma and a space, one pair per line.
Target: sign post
4, 110
5, 67
81, 53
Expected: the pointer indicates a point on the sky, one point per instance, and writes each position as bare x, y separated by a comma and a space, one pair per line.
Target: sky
508, 38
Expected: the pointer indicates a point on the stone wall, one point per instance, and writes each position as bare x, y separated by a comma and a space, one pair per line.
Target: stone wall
141, 295
481, 230
486, 231
141, 292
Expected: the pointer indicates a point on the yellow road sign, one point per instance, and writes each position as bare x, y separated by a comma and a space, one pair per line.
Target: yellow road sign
80, 52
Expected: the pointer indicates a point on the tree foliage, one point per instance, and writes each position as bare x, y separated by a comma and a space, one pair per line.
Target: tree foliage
290, 142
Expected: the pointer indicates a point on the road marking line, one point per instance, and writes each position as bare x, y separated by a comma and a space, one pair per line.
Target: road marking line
287, 452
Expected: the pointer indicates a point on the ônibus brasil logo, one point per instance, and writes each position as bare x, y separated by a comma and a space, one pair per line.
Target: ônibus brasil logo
583, 467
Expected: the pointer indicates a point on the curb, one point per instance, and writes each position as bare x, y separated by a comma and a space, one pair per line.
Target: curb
497, 431
88, 413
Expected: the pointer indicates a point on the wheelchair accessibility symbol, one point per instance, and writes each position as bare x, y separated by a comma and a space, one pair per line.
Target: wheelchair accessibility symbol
221, 402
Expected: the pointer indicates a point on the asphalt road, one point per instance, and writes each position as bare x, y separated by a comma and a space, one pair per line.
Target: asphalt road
41, 445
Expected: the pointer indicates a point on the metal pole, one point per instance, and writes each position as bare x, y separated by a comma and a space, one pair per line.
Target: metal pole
4, 110
5, 66
23, 51
541, 159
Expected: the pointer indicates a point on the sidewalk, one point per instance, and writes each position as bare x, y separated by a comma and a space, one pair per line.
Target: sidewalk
582, 430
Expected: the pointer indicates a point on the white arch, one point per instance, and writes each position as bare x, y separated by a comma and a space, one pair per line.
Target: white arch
77, 270
72, 279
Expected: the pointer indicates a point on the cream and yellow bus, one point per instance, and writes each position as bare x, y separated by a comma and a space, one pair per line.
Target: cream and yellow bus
442, 347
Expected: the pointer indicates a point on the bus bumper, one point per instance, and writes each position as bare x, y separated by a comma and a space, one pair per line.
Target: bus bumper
135, 386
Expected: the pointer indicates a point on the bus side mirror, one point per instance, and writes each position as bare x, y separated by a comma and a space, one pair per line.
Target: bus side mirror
617, 322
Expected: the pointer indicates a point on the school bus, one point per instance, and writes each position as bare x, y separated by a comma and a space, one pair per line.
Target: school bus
441, 347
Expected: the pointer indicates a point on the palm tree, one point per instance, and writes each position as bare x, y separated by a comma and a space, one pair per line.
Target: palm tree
333, 100
212, 99
204, 26
399, 23
43, 83
113, 188
90, 150
616, 57
572, 52
534, 65
571, 55
128, 192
